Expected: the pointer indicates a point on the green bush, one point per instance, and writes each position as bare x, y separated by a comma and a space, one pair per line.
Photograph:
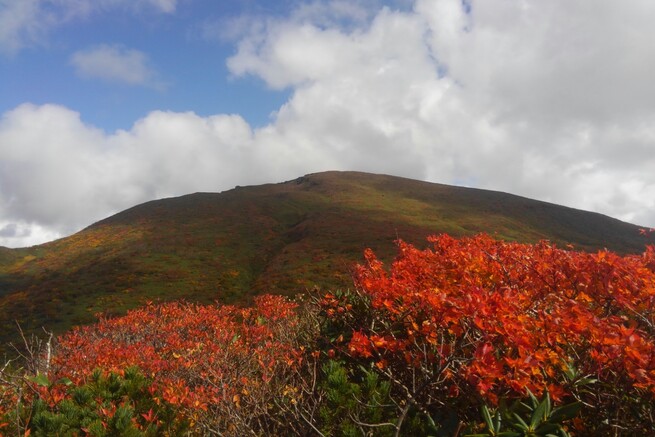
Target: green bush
108, 404
529, 417
354, 404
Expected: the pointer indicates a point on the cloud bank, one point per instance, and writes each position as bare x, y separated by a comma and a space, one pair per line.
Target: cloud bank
549, 100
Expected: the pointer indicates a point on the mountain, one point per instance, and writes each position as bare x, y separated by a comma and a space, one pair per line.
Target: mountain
278, 238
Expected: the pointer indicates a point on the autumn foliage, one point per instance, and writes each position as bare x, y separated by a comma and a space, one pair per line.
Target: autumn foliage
213, 362
416, 347
479, 320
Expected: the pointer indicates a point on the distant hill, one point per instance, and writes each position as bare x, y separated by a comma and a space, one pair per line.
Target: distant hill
278, 238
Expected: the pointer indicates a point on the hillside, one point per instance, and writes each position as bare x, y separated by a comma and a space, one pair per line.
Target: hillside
279, 238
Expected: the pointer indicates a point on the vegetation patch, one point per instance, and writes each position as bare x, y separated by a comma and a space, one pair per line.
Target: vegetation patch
472, 336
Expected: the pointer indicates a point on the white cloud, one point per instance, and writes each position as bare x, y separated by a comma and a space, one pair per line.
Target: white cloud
27, 234
167, 6
549, 100
115, 63
27, 22
22, 22
511, 95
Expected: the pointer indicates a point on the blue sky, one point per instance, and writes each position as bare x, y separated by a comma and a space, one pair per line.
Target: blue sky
187, 65
108, 103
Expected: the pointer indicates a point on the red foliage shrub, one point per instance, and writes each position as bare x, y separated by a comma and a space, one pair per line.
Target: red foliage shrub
480, 318
219, 364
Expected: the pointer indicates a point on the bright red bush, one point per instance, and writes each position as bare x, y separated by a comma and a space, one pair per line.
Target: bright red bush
480, 317
211, 361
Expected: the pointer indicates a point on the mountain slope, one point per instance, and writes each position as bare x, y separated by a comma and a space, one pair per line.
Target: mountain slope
280, 238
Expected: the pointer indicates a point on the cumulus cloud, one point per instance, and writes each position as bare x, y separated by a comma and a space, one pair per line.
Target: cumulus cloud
548, 100
27, 22
117, 64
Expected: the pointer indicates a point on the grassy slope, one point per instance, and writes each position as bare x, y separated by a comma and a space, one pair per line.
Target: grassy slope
280, 238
